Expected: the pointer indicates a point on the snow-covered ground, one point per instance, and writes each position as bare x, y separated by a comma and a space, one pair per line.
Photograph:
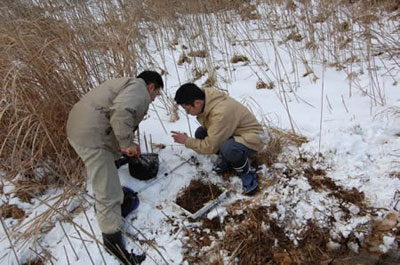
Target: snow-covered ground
358, 139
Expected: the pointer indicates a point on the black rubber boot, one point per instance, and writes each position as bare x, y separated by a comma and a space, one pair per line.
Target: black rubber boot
114, 245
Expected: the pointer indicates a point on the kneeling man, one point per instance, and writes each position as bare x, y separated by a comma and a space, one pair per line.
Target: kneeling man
228, 129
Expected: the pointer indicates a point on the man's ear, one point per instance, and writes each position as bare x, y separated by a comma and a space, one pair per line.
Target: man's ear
198, 102
151, 86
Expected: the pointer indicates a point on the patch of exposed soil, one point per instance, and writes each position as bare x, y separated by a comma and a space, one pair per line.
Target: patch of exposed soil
353, 196
197, 194
319, 181
11, 211
213, 225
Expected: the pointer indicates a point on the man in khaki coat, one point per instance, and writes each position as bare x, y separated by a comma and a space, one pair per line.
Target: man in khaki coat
227, 128
99, 127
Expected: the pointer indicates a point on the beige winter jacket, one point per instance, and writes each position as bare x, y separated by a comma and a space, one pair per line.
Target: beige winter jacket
107, 116
224, 117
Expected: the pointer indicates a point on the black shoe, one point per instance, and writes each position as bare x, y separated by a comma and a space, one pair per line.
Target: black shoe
114, 245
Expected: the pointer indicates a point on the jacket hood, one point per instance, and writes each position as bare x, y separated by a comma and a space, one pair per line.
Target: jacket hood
213, 98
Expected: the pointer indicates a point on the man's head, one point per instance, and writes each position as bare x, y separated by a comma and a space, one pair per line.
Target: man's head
153, 81
191, 98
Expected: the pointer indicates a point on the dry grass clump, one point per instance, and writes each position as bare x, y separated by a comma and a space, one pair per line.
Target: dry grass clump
174, 113
211, 81
249, 243
278, 140
30, 188
287, 137
386, 226
262, 85
239, 58
11, 211
198, 73
249, 12
183, 58
252, 238
387, 5
170, 8
199, 53
394, 174
270, 153
295, 36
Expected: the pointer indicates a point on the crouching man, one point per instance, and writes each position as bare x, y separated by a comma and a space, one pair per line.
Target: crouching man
99, 127
227, 128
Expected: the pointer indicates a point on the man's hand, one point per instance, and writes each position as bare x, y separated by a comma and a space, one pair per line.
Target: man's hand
132, 150
179, 137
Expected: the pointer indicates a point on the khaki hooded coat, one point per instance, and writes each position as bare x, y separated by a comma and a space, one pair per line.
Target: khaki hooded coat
223, 117
107, 116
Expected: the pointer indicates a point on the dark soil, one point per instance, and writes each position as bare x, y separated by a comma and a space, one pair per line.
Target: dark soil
213, 225
11, 211
197, 194
319, 181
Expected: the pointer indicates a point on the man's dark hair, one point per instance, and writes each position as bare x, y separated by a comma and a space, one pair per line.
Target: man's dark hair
152, 77
188, 93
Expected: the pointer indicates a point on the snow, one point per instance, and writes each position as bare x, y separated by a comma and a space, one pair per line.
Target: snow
388, 242
357, 138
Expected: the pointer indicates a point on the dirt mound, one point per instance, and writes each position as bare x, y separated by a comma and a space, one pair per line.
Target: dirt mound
198, 193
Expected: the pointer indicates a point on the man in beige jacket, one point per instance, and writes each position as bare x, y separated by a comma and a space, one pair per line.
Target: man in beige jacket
227, 128
99, 127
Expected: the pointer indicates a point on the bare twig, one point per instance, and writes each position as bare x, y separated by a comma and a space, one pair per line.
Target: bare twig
9, 240
69, 241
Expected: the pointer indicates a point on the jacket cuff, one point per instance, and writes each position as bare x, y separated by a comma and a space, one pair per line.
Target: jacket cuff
126, 142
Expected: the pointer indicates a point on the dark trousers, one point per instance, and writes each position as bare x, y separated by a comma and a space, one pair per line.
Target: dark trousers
235, 154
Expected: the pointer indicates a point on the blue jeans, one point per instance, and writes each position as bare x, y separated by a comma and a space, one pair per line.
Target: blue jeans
234, 153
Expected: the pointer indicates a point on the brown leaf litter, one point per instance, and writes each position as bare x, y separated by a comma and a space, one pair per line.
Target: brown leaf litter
196, 194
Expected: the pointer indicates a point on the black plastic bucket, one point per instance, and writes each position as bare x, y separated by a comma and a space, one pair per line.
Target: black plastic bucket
144, 167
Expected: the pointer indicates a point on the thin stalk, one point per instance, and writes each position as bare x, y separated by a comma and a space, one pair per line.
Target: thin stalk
9, 240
